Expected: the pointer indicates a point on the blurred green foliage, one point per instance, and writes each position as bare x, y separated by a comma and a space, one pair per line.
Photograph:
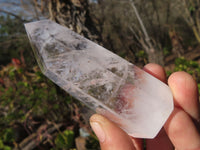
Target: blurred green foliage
28, 94
64, 140
189, 66
3, 146
28, 91
23, 94
27, 97
92, 143
13, 40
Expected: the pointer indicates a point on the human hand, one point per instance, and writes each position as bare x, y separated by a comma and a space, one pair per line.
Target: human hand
179, 131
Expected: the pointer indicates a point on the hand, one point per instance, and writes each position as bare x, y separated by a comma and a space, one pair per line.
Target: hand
179, 131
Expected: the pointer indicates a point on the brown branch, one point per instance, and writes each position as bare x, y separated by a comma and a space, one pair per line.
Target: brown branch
191, 55
147, 38
12, 14
31, 142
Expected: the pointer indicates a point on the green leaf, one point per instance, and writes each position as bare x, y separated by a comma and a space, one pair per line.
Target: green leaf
65, 140
1, 144
7, 148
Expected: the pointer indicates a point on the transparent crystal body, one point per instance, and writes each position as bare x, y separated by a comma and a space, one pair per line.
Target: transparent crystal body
136, 101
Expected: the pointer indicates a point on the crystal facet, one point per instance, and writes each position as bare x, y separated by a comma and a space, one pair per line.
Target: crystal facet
136, 101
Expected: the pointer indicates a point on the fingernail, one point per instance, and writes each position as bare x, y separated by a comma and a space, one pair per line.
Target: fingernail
98, 131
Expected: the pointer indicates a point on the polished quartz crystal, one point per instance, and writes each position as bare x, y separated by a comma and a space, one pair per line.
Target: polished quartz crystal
136, 101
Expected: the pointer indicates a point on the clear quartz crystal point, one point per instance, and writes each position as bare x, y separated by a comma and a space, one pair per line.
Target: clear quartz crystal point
136, 101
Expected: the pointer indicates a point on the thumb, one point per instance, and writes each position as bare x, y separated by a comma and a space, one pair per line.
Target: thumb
110, 136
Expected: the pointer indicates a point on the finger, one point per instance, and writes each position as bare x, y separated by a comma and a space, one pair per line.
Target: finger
182, 131
156, 71
185, 92
110, 136
161, 140
180, 127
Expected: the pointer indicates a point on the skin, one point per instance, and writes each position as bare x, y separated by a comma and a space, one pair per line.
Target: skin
179, 131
